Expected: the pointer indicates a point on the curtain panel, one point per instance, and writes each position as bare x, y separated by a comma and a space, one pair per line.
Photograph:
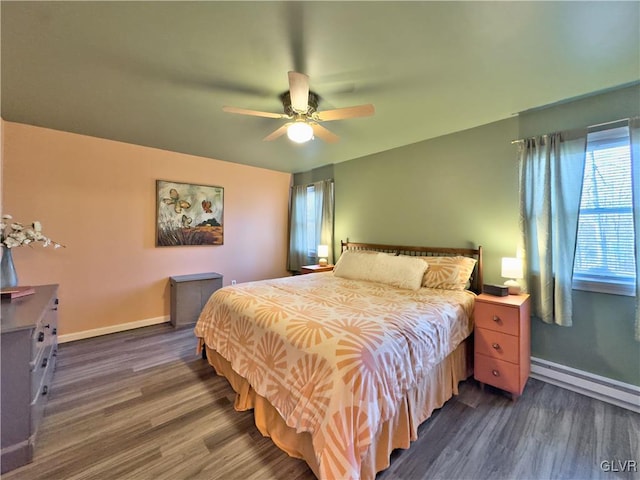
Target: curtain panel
324, 192
551, 173
298, 254
634, 134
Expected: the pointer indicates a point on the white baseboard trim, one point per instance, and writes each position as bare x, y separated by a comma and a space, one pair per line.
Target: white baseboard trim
606, 389
96, 332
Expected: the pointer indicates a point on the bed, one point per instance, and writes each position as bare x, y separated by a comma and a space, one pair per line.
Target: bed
342, 367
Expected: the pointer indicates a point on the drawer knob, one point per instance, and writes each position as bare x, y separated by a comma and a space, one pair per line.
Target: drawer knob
54, 331
496, 346
496, 319
495, 373
41, 337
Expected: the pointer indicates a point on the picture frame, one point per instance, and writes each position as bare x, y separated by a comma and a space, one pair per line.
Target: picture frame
189, 214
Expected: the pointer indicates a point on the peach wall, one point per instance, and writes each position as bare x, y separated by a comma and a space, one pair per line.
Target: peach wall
97, 197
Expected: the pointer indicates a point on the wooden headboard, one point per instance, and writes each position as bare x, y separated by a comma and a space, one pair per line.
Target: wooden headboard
476, 276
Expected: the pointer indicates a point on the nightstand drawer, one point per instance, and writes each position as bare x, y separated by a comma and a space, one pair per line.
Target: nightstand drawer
497, 345
498, 373
501, 318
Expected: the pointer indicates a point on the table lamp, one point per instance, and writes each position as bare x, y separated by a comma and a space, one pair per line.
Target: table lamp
323, 253
512, 269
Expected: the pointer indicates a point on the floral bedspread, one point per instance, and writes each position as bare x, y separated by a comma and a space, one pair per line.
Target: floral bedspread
334, 356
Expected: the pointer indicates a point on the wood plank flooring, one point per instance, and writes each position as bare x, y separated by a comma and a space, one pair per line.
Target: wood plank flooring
142, 405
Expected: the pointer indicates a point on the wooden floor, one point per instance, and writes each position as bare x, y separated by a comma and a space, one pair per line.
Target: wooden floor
142, 405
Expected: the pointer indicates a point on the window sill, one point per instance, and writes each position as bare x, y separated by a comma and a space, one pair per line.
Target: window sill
599, 286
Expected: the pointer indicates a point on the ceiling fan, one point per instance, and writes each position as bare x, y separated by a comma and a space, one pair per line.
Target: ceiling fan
301, 111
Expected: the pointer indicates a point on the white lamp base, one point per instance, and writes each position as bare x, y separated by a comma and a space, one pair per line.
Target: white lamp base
322, 262
514, 287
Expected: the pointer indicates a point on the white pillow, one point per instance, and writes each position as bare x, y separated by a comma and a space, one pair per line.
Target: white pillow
355, 265
398, 271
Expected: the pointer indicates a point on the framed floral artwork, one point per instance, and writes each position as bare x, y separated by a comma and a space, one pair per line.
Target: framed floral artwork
189, 214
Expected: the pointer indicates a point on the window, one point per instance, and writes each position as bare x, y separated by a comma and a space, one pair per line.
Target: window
605, 260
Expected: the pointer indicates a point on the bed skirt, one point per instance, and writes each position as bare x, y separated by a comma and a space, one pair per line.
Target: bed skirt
397, 432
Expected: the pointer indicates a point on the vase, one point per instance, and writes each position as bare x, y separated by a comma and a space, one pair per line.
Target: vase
9, 276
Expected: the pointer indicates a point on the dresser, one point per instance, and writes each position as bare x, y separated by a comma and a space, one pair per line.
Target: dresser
502, 352
29, 327
189, 293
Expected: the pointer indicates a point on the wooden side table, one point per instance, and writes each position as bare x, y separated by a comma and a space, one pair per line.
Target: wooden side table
316, 268
502, 353
189, 293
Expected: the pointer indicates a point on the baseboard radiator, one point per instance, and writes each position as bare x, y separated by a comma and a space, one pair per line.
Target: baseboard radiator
611, 391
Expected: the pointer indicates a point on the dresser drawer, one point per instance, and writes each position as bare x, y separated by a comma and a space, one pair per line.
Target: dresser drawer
501, 374
40, 398
501, 318
40, 368
44, 333
497, 345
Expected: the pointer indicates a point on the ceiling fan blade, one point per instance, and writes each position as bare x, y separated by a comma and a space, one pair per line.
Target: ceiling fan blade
278, 133
299, 91
348, 112
255, 113
324, 134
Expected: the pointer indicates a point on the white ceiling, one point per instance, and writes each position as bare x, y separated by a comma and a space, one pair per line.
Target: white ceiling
159, 73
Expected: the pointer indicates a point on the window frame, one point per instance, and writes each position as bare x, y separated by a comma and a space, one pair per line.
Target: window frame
601, 283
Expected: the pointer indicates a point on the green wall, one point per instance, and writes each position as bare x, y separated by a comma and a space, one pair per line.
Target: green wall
457, 190
462, 190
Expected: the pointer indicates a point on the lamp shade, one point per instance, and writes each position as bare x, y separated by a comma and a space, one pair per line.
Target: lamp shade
512, 267
323, 251
300, 132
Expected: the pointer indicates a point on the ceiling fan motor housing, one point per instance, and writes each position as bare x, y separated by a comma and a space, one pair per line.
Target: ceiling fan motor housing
312, 104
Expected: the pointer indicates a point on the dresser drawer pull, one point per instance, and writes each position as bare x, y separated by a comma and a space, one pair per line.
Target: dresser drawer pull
41, 337
496, 319
45, 390
495, 373
54, 331
496, 346
57, 300
45, 361
47, 326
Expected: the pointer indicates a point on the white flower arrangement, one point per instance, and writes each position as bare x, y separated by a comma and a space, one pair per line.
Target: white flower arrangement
15, 234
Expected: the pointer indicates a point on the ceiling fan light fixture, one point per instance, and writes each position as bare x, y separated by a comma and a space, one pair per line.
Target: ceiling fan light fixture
300, 132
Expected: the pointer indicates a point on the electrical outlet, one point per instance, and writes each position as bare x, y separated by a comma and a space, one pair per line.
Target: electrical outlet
233, 282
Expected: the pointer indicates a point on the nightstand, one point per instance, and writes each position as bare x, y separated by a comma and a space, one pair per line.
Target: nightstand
316, 268
502, 353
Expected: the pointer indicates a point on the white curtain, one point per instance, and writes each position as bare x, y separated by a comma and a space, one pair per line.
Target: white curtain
634, 133
551, 173
299, 242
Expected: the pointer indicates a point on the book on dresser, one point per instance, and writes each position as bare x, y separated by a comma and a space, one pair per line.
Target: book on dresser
16, 292
28, 349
